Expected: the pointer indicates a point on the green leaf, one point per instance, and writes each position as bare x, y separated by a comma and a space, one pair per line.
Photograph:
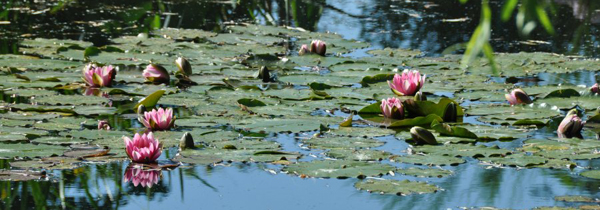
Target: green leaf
417, 121
448, 130
544, 19
91, 51
397, 187
508, 8
251, 102
150, 100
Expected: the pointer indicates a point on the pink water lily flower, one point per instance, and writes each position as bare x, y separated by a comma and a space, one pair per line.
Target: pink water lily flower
103, 125
570, 126
518, 96
303, 50
407, 84
139, 176
96, 76
156, 74
318, 47
595, 88
143, 149
158, 120
392, 108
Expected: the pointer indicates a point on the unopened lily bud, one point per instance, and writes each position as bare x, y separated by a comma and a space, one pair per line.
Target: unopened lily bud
392, 108
303, 50
450, 113
318, 47
263, 73
103, 125
184, 66
420, 96
186, 142
595, 88
422, 136
156, 74
518, 96
570, 126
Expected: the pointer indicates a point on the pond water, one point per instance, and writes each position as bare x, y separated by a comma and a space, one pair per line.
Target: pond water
427, 26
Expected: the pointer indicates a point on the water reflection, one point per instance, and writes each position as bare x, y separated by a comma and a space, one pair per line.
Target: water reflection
432, 27
144, 177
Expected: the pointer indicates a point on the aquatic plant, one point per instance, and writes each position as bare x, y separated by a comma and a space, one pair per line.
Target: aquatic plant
392, 108
570, 126
143, 148
407, 84
422, 136
318, 47
518, 96
103, 125
303, 50
96, 76
158, 119
595, 89
139, 176
156, 74
184, 66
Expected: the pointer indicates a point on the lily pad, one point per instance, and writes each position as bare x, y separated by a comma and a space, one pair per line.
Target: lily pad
425, 172
342, 142
338, 169
397, 187
358, 155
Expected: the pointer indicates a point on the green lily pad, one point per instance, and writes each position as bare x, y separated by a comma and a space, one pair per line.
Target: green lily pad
368, 132
59, 141
425, 172
396, 187
30, 150
429, 159
342, 142
236, 155
576, 198
21, 175
358, 155
338, 169
520, 160
462, 150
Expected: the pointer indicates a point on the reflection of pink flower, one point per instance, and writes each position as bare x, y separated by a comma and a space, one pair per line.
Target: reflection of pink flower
96, 76
156, 74
392, 108
595, 88
158, 120
103, 125
570, 126
91, 91
318, 47
143, 149
518, 96
407, 84
138, 176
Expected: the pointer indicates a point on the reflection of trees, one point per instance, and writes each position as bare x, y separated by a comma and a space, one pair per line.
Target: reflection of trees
411, 25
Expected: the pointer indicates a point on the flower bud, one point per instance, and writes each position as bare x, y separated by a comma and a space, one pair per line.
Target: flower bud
303, 50
450, 113
420, 96
184, 66
103, 125
318, 47
156, 74
422, 136
518, 96
186, 142
392, 108
570, 126
595, 89
263, 73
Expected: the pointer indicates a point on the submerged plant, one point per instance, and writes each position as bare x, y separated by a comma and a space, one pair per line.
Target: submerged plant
158, 119
392, 108
143, 148
318, 47
156, 74
103, 125
570, 126
139, 176
408, 83
96, 76
518, 96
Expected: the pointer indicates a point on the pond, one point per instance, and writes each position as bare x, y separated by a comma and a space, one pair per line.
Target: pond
258, 124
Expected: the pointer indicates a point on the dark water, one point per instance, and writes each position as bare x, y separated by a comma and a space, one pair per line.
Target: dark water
430, 26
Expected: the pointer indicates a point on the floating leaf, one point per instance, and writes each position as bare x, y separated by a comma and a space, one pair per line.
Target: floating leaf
397, 187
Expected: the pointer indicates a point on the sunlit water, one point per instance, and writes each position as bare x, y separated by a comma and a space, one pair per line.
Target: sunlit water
416, 25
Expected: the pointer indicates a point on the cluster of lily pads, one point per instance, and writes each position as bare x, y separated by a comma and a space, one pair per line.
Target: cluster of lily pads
237, 92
